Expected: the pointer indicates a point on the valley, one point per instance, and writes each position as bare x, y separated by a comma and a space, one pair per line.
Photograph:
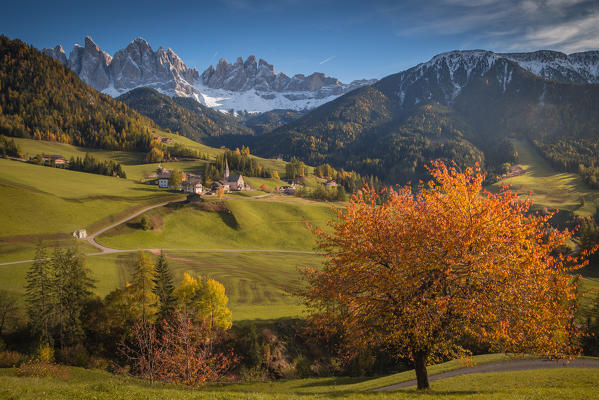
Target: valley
252, 213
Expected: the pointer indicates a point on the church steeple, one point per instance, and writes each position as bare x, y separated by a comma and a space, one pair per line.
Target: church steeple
226, 174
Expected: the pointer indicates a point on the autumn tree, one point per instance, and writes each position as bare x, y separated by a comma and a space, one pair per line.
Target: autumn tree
427, 269
181, 354
211, 303
204, 301
142, 287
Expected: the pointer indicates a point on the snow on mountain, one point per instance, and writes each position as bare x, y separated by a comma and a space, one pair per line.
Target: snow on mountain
254, 86
576, 67
443, 77
242, 86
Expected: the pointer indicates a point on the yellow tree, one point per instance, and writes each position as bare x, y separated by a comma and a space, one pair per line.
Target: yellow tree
421, 271
212, 305
185, 294
204, 300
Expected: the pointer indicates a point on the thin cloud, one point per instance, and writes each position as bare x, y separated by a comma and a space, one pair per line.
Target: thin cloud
564, 25
326, 60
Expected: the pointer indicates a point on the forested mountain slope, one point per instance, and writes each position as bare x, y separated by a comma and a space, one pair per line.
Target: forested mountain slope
182, 114
41, 98
459, 106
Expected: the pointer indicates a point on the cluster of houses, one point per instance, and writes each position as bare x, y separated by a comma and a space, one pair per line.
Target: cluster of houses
54, 160
291, 189
192, 183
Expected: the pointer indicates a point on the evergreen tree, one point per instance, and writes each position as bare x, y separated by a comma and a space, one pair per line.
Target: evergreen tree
72, 286
163, 289
38, 295
142, 287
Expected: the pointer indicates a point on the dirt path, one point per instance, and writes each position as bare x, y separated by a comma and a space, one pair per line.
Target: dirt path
91, 239
505, 366
106, 250
114, 251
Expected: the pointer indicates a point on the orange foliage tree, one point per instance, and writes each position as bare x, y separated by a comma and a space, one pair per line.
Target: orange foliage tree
181, 353
422, 272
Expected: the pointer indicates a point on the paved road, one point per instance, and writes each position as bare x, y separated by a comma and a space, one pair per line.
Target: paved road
505, 366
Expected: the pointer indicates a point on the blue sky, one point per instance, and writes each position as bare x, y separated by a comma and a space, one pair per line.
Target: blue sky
346, 39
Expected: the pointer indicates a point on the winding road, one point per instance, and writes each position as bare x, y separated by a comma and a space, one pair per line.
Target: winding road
502, 366
91, 239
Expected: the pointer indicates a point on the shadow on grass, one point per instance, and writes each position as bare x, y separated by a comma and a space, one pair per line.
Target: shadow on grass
439, 393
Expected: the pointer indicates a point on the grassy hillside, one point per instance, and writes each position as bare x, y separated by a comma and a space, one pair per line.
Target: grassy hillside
533, 384
256, 283
550, 188
238, 223
42, 202
31, 147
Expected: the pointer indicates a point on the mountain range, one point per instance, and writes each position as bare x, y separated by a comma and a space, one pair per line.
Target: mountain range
463, 106
251, 85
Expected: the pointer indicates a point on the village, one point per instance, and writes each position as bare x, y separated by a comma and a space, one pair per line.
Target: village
194, 184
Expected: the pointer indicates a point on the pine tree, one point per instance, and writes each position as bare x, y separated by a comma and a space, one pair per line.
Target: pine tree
72, 285
38, 295
163, 289
142, 287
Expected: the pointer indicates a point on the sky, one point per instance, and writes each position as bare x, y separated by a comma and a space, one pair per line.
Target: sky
345, 39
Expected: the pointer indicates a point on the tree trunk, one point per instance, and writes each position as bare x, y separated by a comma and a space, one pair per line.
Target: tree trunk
421, 373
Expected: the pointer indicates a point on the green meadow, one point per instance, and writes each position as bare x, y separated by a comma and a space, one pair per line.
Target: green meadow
43, 200
31, 147
256, 283
570, 383
243, 223
50, 203
549, 188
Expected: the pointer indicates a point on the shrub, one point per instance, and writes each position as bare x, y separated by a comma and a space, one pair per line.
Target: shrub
45, 353
76, 356
146, 225
42, 369
9, 359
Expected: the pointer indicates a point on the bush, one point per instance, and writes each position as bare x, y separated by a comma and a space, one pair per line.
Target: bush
76, 356
302, 367
9, 359
146, 225
42, 369
45, 353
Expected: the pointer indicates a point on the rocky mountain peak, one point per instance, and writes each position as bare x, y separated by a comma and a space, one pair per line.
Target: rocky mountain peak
136, 65
57, 53
251, 84
261, 76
